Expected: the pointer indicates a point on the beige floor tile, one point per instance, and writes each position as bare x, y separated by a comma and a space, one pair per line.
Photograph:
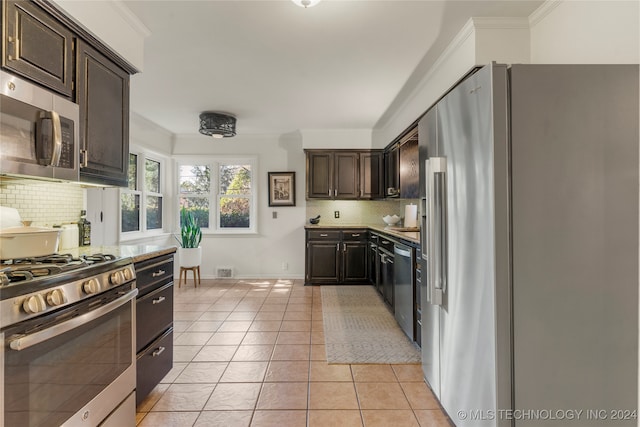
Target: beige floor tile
191, 307
317, 325
408, 373
297, 315
218, 306
242, 372
335, 418
152, 398
432, 418
298, 298
215, 315
270, 306
248, 353
279, 419
265, 326
226, 338
318, 352
296, 325
381, 396
174, 372
185, 353
298, 307
332, 395
183, 397
282, 371
234, 396
257, 338
169, 419
291, 352
270, 315
419, 396
193, 338
317, 337
237, 326
284, 395
186, 315
387, 418
202, 372
243, 315
373, 374
139, 417
181, 325
294, 337
204, 326
216, 353
224, 419
322, 371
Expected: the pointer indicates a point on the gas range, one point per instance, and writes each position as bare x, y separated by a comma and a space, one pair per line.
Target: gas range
31, 287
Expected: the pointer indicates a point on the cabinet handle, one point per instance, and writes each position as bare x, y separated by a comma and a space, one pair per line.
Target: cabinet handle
158, 351
355, 234
84, 162
335, 193
158, 300
158, 273
337, 247
329, 192
385, 242
323, 235
344, 247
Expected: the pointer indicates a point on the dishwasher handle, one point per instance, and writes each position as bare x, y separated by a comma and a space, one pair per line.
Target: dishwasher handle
400, 250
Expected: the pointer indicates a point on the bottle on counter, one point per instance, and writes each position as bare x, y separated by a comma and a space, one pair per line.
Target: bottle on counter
84, 230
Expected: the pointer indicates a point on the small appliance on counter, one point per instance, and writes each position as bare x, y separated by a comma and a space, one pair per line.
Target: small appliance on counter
18, 239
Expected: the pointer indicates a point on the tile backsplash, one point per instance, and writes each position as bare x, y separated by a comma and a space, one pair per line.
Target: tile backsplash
356, 211
44, 203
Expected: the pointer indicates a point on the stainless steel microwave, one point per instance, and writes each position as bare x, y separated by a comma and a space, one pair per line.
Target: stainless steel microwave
39, 134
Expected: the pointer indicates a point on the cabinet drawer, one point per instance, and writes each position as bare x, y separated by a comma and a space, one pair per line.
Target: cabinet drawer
154, 314
153, 273
355, 235
323, 235
153, 364
386, 243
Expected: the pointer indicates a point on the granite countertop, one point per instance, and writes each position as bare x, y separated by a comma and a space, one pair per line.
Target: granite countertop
137, 252
410, 236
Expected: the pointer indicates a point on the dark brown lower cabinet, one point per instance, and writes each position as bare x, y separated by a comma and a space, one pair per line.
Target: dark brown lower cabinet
154, 322
336, 256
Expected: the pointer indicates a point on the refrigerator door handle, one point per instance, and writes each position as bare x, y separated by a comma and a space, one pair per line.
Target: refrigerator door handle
436, 234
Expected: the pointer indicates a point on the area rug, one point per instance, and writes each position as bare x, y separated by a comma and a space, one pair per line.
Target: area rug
359, 328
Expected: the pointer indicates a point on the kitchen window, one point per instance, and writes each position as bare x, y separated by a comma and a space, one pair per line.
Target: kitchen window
141, 202
220, 193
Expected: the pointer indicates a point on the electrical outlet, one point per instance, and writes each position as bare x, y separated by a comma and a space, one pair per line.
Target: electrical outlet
285, 265
336, 214
274, 214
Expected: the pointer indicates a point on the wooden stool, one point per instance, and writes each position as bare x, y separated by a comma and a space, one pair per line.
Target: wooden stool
196, 275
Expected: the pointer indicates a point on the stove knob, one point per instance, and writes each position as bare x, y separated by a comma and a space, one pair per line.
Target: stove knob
91, 286
116, 278
127, 274
34, 304
56, 297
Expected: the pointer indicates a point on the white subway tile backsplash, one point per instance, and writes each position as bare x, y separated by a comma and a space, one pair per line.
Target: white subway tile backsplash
44, 203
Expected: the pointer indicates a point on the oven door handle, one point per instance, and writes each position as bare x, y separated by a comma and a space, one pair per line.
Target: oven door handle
27, 341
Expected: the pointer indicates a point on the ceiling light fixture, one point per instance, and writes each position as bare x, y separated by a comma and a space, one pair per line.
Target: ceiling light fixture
306, 3
217, 125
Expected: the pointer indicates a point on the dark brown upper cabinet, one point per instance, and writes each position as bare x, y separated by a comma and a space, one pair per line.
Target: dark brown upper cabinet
36, 46
332, 174
345, 175
371, 175
103, 96
402, 169
409, 167
392, 171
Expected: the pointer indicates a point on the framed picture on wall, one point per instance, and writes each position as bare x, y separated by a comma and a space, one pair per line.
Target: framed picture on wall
282, 188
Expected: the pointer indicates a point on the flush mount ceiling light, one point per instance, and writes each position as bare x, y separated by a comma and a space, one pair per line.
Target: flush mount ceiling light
306, 3
217, 125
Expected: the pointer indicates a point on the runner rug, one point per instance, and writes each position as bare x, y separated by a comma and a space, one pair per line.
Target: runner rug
359, 328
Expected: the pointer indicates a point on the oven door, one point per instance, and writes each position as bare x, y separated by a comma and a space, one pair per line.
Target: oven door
74, 370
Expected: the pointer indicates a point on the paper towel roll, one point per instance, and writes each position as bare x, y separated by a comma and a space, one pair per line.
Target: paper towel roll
411, 216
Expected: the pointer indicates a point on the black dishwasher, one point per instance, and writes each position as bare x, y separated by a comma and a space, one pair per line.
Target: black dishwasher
403, 287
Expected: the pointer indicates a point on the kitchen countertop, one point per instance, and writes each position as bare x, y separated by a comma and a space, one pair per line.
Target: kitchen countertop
137, 252
410, 236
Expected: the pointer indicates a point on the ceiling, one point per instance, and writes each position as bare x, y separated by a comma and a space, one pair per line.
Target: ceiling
279, 68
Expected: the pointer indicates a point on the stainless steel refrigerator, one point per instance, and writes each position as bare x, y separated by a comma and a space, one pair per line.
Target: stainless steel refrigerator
529, 186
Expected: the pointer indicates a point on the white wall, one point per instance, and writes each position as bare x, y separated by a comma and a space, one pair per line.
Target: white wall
332, 139
279, 240
589, 32
102, 17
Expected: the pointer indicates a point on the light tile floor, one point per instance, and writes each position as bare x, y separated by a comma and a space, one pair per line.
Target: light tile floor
251, 353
